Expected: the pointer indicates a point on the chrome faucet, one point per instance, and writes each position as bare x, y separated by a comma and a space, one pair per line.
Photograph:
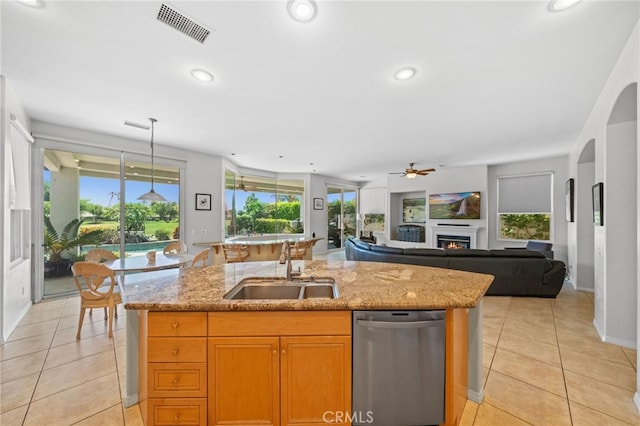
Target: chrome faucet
285, 256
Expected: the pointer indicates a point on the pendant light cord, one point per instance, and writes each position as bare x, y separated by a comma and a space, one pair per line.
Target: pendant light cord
153, 121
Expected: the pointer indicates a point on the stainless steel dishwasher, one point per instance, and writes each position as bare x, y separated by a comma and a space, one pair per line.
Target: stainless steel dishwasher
398, 367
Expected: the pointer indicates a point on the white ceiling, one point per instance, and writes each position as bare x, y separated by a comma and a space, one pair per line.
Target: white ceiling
497, 81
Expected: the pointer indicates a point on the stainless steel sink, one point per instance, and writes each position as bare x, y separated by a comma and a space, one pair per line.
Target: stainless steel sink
265, 288
319, 290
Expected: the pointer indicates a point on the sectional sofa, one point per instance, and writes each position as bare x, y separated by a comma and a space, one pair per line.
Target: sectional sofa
516, 272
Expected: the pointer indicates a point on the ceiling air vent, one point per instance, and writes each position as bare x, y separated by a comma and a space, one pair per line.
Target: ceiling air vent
177, 20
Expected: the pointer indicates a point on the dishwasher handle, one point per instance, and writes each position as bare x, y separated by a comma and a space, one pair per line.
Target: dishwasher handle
407, 324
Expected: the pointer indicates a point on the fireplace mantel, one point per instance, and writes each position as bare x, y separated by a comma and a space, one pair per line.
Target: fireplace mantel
466, 231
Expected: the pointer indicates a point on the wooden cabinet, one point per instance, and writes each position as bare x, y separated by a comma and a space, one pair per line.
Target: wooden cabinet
264, 368
173, 368
456, 363
243, 380
280, 369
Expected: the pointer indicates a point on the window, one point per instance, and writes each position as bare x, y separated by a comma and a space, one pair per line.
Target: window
525, 207
261, 205
19, 235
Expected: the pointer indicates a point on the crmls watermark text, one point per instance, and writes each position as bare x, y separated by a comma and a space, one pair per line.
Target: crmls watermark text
345, 417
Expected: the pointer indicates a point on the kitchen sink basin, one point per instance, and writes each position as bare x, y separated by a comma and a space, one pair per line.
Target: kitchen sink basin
319, 290
270, 288
263, 291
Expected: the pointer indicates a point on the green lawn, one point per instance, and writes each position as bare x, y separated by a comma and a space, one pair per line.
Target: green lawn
150, 227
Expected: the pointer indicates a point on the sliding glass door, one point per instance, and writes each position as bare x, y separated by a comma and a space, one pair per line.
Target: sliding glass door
85, 200
341, 215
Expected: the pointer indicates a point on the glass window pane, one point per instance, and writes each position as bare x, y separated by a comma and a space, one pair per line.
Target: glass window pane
261, 205
519, 226
150, 225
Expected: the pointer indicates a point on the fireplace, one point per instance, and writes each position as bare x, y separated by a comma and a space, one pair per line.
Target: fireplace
453, 241
457, 236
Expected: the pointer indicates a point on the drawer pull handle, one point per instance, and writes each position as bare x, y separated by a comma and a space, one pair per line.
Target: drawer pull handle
175, 351
175, 381
284, 351
175, 324
177, 416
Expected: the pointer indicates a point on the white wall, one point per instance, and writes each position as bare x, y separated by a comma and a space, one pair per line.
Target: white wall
625, 72
15, 279
582, 274
559, 166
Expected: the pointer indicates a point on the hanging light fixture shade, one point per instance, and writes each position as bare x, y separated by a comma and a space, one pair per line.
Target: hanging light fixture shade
152, 195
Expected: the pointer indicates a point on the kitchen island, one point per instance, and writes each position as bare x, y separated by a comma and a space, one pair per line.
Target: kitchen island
198, 351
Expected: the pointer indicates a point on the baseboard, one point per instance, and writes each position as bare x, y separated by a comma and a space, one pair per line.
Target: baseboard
636, 401
588, 290
130, 400
598, 330
631, 344
474, 396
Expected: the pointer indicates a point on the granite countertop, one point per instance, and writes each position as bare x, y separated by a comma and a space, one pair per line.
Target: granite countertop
361, 286
257, 242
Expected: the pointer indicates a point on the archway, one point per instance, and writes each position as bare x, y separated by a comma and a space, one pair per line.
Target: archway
615, 287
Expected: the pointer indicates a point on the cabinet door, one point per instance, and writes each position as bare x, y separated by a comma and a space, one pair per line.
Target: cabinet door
244, 381
315, 380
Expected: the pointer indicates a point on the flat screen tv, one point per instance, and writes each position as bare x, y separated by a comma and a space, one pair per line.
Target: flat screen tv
454, 205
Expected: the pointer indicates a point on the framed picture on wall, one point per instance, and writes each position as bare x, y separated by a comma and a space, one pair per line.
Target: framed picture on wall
598, 203
318, 203
203, 201
568, 199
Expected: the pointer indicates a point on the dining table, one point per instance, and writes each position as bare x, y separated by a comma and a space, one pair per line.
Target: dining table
143, 264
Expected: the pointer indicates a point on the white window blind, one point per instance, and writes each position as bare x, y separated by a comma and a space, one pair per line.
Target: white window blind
525, 194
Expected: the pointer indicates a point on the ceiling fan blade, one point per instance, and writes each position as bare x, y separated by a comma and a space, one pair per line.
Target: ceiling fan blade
426, 171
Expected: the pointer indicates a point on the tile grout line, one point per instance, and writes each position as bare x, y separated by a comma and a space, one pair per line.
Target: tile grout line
564, 377
35, 386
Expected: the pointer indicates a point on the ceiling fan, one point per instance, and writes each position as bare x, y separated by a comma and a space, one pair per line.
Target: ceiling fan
241, 184
411, 173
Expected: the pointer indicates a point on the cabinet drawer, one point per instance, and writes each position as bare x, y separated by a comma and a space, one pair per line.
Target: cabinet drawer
184, 349
280, 323
175, 324
177, 379
177, 411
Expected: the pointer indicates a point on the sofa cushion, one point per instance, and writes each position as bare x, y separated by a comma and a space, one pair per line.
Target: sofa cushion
516, 253
424, 252
362, 244
539, 246
467, 253
385, 249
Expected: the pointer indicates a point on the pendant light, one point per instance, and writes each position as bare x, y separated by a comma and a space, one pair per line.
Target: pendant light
152, 195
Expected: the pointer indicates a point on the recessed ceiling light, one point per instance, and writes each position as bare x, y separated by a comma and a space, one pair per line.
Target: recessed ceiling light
302, 10
560, 5
32, 3
404, 73
202, 75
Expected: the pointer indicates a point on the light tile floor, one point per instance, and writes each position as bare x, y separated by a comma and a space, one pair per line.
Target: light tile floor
543, 364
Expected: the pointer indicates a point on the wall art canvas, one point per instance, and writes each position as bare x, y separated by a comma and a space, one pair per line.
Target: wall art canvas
374, 222
568, 200
455, 205
414, 210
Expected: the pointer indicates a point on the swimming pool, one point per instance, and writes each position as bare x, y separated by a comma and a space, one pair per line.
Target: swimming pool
132, 249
